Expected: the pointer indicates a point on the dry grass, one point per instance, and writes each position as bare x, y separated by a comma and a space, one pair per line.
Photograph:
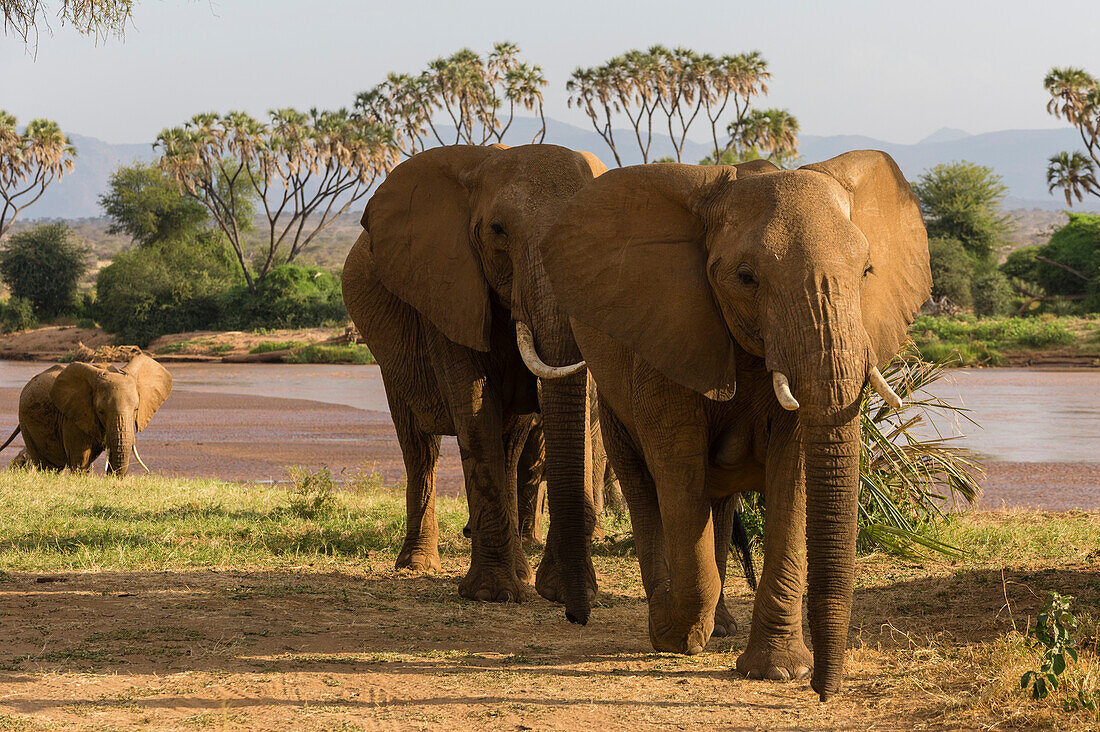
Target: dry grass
161, 604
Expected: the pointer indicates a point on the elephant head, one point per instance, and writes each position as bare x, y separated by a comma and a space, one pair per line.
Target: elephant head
454, 232
817, 272
110, 405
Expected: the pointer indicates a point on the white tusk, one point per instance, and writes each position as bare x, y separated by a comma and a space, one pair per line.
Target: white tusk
883, 389
783, 391
107, 464
140, 461
526, 345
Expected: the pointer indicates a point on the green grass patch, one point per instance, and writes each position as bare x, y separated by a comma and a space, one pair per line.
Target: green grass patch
67, 521
269, 346
982, 341
351, 353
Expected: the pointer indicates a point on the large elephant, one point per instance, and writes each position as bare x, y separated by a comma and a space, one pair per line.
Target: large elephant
70, 414
731, 317
447, 287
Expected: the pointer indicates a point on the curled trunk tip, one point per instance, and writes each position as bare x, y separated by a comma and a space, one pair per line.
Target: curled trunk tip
526, 343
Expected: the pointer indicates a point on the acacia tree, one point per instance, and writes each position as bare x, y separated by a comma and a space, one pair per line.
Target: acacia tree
680, 87
1075, 97
478, 97
90, 17
29, 163
303, 170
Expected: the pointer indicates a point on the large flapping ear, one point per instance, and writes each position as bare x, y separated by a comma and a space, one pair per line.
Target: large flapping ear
72, 393
627, 257
419, 225
755, 167
154, 384
887, 211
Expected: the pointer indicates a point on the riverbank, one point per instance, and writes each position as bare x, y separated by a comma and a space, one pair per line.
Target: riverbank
202, 604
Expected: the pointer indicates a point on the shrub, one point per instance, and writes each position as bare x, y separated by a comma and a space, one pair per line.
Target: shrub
317, 353
43, 265
952, 270
168, 287
991, 294
17, 315
289, 297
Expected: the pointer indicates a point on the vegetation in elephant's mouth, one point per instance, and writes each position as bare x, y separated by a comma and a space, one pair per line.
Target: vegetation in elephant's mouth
123, 595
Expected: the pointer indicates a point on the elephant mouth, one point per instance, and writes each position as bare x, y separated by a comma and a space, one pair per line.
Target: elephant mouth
782, 388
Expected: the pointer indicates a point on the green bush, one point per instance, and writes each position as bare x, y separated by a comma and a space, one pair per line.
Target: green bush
289, 297
332, 354
16, 315
43, 265
168, 287
952, 270
991, 294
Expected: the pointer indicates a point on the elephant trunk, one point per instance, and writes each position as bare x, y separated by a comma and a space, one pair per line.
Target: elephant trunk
829, 422
120, 443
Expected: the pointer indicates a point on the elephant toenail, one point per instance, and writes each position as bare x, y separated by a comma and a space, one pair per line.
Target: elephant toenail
803, 672
753, 674
719, 632
505, 596
483, 595
776, 673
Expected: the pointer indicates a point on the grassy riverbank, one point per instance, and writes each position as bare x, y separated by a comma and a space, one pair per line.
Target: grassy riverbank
200, 604
973, 341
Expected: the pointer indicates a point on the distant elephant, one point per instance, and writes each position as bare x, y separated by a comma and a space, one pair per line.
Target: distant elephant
731, 317
70, 414
447, 288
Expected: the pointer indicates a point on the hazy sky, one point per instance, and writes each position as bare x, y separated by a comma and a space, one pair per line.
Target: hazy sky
896, 71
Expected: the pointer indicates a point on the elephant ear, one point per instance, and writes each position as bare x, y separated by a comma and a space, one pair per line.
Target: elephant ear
627, 257
72, 393
597, 166
154, 384
887, 211
419, 226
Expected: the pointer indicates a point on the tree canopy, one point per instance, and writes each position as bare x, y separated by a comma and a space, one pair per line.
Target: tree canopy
100, 18
1075, 97
29, 162
962, 201
43, 265
666, 91
144, 203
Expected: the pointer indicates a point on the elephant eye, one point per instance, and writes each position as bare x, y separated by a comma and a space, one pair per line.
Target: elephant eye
497, 228
868, 270
746, 277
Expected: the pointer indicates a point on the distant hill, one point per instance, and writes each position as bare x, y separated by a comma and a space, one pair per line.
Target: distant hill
1019, 156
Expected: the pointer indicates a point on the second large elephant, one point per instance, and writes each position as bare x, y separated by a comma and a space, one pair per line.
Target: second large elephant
731, 317
443, 280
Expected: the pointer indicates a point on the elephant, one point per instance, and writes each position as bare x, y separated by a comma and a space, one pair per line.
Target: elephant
70, 414
732, 317
446, 286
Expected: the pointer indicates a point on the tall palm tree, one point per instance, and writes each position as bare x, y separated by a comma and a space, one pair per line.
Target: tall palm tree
1074, 173
29, 163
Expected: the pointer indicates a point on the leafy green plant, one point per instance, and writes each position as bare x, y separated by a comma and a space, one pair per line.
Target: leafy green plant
317, 353
313, 493
269, 346
17, 315
910, 474
1053, 635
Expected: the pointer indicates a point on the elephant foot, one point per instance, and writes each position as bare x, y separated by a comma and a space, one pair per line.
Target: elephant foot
724, 624
669, 633
550, 584
781, 659
418, 556
494, 585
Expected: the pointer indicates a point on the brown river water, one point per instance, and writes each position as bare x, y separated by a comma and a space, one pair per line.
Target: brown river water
1040, 430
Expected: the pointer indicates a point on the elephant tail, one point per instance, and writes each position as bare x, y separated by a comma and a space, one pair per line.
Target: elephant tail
13, 434
740, 543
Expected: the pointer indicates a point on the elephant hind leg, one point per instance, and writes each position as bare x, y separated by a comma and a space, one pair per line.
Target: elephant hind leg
420, 451
529, 486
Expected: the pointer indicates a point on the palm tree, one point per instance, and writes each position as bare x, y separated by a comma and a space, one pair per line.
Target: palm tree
29, 163
1074, 173
769, 133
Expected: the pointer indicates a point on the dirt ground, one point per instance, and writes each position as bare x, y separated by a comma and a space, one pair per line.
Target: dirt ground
378, 649
49, 343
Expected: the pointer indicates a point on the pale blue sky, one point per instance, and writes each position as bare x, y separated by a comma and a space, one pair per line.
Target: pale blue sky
892, 70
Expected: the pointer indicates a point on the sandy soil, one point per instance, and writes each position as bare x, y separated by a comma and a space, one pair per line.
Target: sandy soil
377, 649
49, 343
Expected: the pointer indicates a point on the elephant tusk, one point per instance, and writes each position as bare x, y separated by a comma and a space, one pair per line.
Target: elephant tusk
138, 458
783, 391
878, 381
526, 343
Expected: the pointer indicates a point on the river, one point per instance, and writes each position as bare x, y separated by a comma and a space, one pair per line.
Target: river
250, 421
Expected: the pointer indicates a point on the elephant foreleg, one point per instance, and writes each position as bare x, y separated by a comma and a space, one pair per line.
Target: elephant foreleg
776, 647
420, 451
529, 486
